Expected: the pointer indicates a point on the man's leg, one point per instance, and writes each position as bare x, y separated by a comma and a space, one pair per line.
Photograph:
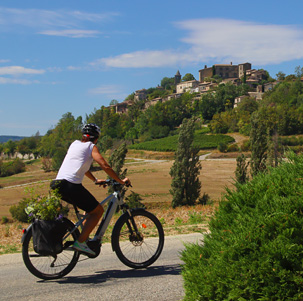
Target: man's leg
90, 223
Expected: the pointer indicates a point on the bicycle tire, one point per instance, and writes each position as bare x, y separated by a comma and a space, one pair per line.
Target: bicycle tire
46, 267
142, 249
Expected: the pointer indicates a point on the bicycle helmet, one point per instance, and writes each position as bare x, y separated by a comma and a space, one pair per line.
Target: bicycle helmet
91, 130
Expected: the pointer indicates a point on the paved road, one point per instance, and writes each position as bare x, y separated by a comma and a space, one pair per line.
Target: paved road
103, 278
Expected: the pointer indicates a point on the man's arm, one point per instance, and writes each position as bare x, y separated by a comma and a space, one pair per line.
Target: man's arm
104, 165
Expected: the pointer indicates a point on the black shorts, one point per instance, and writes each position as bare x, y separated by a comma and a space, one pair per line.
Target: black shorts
75, 194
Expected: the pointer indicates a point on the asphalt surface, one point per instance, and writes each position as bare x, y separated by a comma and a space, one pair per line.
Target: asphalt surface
103, 278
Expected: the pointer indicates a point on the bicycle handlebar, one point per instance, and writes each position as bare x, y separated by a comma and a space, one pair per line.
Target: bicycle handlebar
111, 182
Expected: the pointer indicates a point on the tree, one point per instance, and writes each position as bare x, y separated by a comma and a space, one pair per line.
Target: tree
299, 71
105, 143
167, 82
56, 142
10, 148
131, 135
280, 75
116, 161
241, 170
258, 138
187, 77
186, 186
263, 139
244, 78
113, 102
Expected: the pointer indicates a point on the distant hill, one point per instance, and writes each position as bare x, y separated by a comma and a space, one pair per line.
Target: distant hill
4, 138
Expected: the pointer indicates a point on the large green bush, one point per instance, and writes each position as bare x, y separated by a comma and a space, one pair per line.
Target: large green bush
255, 247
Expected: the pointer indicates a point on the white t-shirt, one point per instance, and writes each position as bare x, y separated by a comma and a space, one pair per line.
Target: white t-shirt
76, 162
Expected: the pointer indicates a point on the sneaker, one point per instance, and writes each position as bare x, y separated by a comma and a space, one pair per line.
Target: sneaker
82, 247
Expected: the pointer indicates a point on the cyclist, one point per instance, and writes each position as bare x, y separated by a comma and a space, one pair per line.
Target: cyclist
76, 164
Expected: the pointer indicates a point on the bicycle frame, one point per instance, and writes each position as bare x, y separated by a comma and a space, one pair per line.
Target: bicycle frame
114, 201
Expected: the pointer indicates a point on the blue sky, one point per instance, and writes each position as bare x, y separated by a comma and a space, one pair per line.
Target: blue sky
77, 55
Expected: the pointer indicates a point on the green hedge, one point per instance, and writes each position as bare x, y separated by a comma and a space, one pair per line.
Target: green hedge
201, 141
255, 247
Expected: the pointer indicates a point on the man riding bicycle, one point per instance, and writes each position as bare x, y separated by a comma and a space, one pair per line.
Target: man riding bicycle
76, 164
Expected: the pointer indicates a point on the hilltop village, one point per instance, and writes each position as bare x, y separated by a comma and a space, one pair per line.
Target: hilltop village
227, 73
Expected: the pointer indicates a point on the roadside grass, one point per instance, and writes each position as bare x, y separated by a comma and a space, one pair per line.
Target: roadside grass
180, 220
14, 179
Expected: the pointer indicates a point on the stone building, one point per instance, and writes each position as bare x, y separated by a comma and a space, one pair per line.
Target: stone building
122, 107
224, 71
140, 95
186, 86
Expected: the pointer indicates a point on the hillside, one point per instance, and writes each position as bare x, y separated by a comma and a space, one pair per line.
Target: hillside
4, 138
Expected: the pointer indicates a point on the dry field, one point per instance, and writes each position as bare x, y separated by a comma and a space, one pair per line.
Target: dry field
150, 179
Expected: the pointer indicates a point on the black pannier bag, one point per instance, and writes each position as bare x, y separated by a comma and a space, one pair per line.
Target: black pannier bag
47, 236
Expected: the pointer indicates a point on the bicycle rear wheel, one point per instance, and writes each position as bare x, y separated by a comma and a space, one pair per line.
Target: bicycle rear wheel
138, 240
49, 267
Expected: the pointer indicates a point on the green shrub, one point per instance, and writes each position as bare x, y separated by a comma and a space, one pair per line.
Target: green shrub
232, 148
4, 220
205, 199
18, 211
11, 167
222, 147
255, 247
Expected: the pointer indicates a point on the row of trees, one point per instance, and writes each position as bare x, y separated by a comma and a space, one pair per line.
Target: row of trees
27, 146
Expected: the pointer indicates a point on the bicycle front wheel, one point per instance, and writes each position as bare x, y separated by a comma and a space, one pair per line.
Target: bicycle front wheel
138, 239
49, 267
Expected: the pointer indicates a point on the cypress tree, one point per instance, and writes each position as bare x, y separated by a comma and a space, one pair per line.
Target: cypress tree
241, 170
258, 138
116, 161
186, 186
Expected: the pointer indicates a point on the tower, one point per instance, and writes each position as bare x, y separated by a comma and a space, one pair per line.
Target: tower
177, 78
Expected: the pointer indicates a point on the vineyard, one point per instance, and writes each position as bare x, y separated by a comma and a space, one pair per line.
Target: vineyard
169, 144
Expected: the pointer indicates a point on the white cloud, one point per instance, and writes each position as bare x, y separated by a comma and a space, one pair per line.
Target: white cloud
141, 59
220, 40
4, 81
72, 33
54, 69
74, 68
58, 22
4, 61
17, 70
110, 91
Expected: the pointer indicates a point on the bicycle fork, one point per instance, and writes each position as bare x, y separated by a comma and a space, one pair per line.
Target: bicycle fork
135, 235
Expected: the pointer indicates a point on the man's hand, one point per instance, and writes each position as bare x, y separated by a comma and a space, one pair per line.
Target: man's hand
101, 182
127, 182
